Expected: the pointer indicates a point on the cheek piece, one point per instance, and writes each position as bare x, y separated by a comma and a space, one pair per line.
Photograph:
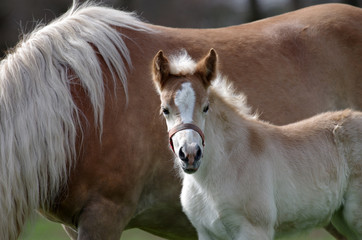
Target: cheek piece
185, 126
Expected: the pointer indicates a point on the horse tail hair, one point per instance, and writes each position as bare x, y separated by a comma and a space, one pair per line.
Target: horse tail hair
38, 117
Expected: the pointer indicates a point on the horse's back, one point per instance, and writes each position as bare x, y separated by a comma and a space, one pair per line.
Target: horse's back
307, 61
312, 58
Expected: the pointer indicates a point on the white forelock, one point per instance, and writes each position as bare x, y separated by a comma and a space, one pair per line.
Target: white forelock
182, 64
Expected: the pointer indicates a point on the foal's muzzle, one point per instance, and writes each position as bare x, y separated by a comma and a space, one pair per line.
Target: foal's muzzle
190, 157
190, 153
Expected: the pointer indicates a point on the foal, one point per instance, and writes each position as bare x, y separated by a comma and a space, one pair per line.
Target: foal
254, 180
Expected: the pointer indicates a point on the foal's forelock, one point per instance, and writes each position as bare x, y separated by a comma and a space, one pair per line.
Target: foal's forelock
182, 64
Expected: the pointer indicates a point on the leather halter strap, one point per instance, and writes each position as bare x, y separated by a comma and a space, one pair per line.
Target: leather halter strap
185, 126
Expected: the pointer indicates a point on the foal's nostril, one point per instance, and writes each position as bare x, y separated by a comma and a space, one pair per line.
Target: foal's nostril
182, 155
198, 154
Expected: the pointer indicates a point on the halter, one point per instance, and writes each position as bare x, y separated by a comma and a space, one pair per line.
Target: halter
184, 126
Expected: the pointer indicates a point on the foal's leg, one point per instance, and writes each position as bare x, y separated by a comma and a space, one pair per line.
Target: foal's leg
250, 232
254, 227
103, 219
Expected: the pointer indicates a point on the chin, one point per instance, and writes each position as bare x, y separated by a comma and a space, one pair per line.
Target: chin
189, 171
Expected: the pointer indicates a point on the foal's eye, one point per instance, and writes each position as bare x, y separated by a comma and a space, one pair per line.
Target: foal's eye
206, 108
165, 111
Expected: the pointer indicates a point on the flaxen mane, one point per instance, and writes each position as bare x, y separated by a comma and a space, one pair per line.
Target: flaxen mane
38, 117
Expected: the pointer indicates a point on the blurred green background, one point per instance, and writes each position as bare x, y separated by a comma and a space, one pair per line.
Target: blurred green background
42, 229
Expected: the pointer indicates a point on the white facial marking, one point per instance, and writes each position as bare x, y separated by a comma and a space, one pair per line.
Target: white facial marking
185, 101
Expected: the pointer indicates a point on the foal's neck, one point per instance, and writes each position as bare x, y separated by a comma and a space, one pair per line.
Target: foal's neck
225, 119
228, 132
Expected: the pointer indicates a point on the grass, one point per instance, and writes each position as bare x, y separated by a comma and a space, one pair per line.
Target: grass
42, 229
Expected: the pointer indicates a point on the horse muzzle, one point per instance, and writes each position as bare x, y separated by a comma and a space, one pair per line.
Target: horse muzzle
190, 156
189, 153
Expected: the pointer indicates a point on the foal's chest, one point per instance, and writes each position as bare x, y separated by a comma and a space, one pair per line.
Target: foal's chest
203, 211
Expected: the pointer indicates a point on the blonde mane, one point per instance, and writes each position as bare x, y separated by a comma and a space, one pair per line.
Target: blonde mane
225, 90
38, 117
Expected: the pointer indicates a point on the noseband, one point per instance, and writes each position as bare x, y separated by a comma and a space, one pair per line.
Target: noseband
185, 126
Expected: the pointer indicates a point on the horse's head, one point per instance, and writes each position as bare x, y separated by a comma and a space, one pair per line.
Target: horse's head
182, 85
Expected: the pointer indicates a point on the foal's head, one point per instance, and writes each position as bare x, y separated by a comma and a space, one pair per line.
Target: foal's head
182, 85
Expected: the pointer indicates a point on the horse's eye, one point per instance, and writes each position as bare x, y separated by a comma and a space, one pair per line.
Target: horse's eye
165, 111
206, 108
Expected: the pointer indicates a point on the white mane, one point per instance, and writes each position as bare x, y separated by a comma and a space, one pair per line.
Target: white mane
38, 117
226, 91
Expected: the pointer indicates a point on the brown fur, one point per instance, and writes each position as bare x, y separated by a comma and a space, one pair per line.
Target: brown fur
291, 67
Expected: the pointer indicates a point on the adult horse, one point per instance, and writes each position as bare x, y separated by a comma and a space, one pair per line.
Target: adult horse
78, 121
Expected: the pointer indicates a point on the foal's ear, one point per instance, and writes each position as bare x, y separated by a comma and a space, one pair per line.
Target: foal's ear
160, 70
207, 67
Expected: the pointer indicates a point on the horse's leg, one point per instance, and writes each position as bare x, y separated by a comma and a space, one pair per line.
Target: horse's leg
102, 219
70, 232
334, 232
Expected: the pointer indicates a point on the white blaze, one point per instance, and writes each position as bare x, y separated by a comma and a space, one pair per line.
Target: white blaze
185, 101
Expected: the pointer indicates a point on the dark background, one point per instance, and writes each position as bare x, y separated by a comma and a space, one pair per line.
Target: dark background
21, 16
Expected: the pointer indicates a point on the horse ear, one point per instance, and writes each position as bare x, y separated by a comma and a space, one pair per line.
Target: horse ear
160, 70
207, 67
